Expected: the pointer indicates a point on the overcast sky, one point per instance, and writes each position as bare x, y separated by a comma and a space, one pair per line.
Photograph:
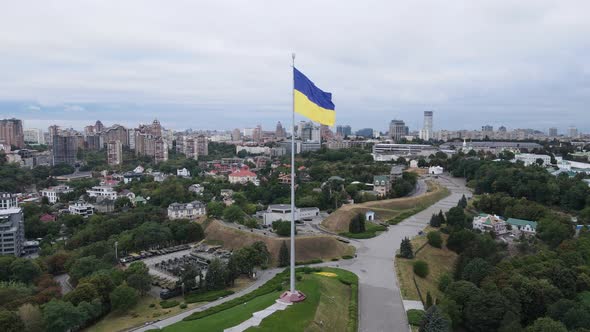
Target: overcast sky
225, 64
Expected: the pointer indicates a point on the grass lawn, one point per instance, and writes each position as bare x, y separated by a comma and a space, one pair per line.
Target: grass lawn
371, 230
439, 261
325, 309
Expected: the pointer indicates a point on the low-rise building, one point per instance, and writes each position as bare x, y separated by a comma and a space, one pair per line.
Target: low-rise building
276, 212
196, 188
102, 191
105, 205
81, 208
531, 158
435, 170
190, 210
53, 193
521, 226
8, 200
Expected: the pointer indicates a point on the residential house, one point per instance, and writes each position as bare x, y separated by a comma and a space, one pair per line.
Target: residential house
196, 188
190, 210
53, 193
102, 191
381, 185
183, 172
243, 176
81, 208
521, 226
47, 217
487, 222
436, 170
104, 205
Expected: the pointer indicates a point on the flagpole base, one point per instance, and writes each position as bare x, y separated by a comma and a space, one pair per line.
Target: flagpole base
292, 297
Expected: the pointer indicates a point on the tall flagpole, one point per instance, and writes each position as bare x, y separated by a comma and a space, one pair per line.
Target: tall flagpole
293, 183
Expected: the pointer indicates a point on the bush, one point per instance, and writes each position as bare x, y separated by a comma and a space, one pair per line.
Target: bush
183, 306
347, 257
312, 261
168, 304
415, 316
421, 268
334, 259
282, 228
152, 305
434, 239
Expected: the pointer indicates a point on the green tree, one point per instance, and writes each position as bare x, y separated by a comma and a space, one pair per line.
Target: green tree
189, 275
5, 262
123, 298
434, 321
476, 270
428, 300
435, 239
215, 209
281, 227
10, 321
462, 202
546, 324
215, 278
456, 218
284, 255
233, 214
85, 266
435, 221
32, 317
83, 292
61, 316
441, 217
405, 249
24, 270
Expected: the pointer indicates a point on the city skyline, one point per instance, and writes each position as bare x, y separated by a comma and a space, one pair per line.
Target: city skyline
382, 62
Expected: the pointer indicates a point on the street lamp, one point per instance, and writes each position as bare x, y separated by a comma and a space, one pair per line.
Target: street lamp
116, 251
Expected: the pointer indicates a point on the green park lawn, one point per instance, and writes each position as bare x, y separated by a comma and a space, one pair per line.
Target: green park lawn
326, 308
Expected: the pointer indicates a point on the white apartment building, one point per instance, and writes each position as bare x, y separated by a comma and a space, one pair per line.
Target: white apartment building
243, 176
33, 135
52, 193
183, 172
190, 210
12, 231
7, 201
102, 191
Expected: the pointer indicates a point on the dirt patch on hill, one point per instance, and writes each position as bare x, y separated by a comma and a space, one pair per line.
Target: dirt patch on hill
384, 210
306, 247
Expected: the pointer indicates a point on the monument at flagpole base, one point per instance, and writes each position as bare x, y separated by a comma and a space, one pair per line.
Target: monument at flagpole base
292, 297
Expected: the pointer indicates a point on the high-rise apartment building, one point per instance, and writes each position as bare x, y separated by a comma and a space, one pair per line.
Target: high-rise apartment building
572, 132
201, 146
257, 134
236, 135
12, 227
52, 131
397, 129
487, 128
553, 132
98, 126
114, 153
160, 150
11, 133
426, 132
115, 133
34, 136
64, 149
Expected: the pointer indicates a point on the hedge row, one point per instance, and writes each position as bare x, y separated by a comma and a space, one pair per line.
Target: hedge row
168, 304
311, 261
351, 279
207, 297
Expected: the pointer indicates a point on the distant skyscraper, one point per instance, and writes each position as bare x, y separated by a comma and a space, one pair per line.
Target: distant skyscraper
64, 149
160, 150
502, 129
487, 128
52, 131
365, 132
397, 129
572, 132
11, 132
280, 131
201, 146
257, 134
426, 132
553, 132
343, 131
115, 153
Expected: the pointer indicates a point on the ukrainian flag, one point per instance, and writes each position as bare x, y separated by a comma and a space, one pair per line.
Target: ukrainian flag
312, 102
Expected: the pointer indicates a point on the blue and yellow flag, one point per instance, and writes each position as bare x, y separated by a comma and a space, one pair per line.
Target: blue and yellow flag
312, 102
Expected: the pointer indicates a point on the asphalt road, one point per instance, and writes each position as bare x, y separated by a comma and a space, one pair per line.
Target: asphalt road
380, 302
